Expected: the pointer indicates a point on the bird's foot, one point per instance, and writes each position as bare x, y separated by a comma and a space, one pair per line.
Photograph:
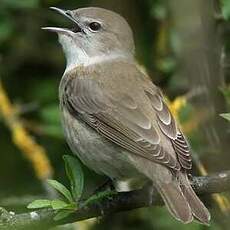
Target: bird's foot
107, 185
97, 198
104, 191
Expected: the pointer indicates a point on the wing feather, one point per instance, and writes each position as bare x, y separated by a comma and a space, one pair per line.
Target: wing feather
168, 126
120, 121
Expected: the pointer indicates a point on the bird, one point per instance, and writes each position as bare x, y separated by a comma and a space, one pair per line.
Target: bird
115, 119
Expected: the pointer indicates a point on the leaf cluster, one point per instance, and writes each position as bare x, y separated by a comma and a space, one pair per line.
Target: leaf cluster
72, 196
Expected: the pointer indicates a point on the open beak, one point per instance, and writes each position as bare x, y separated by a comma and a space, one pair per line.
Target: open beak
76, 28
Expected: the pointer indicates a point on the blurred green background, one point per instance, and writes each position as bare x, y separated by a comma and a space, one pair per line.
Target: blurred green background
184, 47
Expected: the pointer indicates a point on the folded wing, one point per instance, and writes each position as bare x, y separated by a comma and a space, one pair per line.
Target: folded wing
122, 121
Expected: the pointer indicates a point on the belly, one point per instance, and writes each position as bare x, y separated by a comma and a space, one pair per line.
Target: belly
96, 152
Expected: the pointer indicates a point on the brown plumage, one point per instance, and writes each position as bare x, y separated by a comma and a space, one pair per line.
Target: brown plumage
115, 119
136, 118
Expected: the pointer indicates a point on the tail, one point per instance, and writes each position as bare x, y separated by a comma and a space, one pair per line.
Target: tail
199, 211
182, 202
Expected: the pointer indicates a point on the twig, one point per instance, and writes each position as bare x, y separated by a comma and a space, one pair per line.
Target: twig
43, 219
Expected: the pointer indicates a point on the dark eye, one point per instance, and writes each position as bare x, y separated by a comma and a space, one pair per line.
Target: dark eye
95, 26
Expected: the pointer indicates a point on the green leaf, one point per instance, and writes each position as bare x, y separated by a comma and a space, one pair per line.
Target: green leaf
63, 214
226, 116
75, 174
39, 204
62, 189
58, 204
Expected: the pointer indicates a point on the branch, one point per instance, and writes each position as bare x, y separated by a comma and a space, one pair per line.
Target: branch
43, 219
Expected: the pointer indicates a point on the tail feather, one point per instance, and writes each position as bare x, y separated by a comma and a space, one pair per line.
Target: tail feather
176, 191
199, 211
182, 202
175, 202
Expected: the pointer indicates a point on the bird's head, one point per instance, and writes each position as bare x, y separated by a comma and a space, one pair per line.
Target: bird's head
95, 32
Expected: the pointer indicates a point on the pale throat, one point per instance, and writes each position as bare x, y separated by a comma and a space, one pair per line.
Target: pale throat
76, 56
80, 58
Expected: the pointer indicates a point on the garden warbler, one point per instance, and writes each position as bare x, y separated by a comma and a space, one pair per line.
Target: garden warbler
115, 119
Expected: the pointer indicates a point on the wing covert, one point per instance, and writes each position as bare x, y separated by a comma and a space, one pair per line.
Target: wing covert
120, 121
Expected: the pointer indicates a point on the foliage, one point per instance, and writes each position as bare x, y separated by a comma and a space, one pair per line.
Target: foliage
76, 178
75, 175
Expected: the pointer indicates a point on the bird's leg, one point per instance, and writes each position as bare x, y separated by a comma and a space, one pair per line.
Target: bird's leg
107, 185
105, 191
